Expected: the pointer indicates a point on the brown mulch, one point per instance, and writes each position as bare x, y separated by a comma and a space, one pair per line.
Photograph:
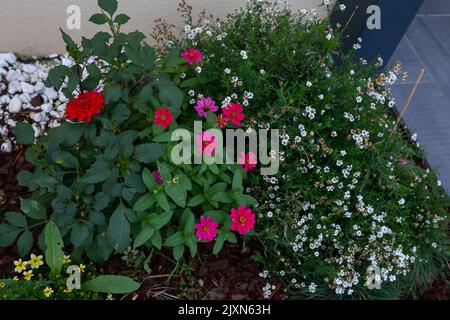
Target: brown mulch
231, 275
440, 290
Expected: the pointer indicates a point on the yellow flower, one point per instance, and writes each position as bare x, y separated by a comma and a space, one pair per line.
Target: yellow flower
16, 278
27, 275
82, 267
36, 261
2, 284
66, 259
48, 292
67, 290
20, 265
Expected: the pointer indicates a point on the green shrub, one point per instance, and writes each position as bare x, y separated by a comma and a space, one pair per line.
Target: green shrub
104, 176
349, 193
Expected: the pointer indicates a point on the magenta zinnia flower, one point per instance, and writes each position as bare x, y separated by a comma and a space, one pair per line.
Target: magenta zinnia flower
206, 229
192, 56
243, 220
248, 160
233, 113
204, 105
206, 142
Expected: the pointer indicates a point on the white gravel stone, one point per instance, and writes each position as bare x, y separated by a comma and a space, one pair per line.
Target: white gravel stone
46, 107
6, 147
51, 93
8, 57
14, 87
39, 87
27, 88
11, 122
12, 75
29, 68
15, 105
5, 99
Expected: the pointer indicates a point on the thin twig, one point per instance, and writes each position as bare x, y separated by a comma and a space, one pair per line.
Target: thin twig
408, 101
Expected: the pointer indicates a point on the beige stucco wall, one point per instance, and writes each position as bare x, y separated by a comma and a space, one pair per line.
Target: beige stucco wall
30, 27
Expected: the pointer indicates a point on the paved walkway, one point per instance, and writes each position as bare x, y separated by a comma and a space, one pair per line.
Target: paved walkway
426, 45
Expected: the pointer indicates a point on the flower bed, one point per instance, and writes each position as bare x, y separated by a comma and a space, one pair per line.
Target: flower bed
347, 214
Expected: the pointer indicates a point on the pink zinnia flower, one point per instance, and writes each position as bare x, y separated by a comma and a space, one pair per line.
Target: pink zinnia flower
243, 220
247, 160
206, 229
206, 142
204, 105
163, 117
233, 113
192, 56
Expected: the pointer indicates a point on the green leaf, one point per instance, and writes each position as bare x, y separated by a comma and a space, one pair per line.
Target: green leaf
122, 19
71, 46
157, 240
191, 243
99, 18
237, 181
109, 6
174, 240
188, 221
143, 236
177, 193
100, 171
149, 152
111, 284
16, 219
8, 234
33, 209
25, 243
162, 201
24, 133
64, 159
196, 200
146, 93
178, 252
160, 220
220, 240
148, 179
170, 96
231, 237
119, 229
112, 94
144, 202
94, 71
79, 235
222, 197
54, 253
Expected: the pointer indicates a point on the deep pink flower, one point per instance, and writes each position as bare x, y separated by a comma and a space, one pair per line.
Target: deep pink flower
163, 117
206, 229
206, 142
233, 113
204, 105
243, 220
192, 55
248, 160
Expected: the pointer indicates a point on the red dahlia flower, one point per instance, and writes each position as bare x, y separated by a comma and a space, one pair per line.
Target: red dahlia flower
86, 105
163, 117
